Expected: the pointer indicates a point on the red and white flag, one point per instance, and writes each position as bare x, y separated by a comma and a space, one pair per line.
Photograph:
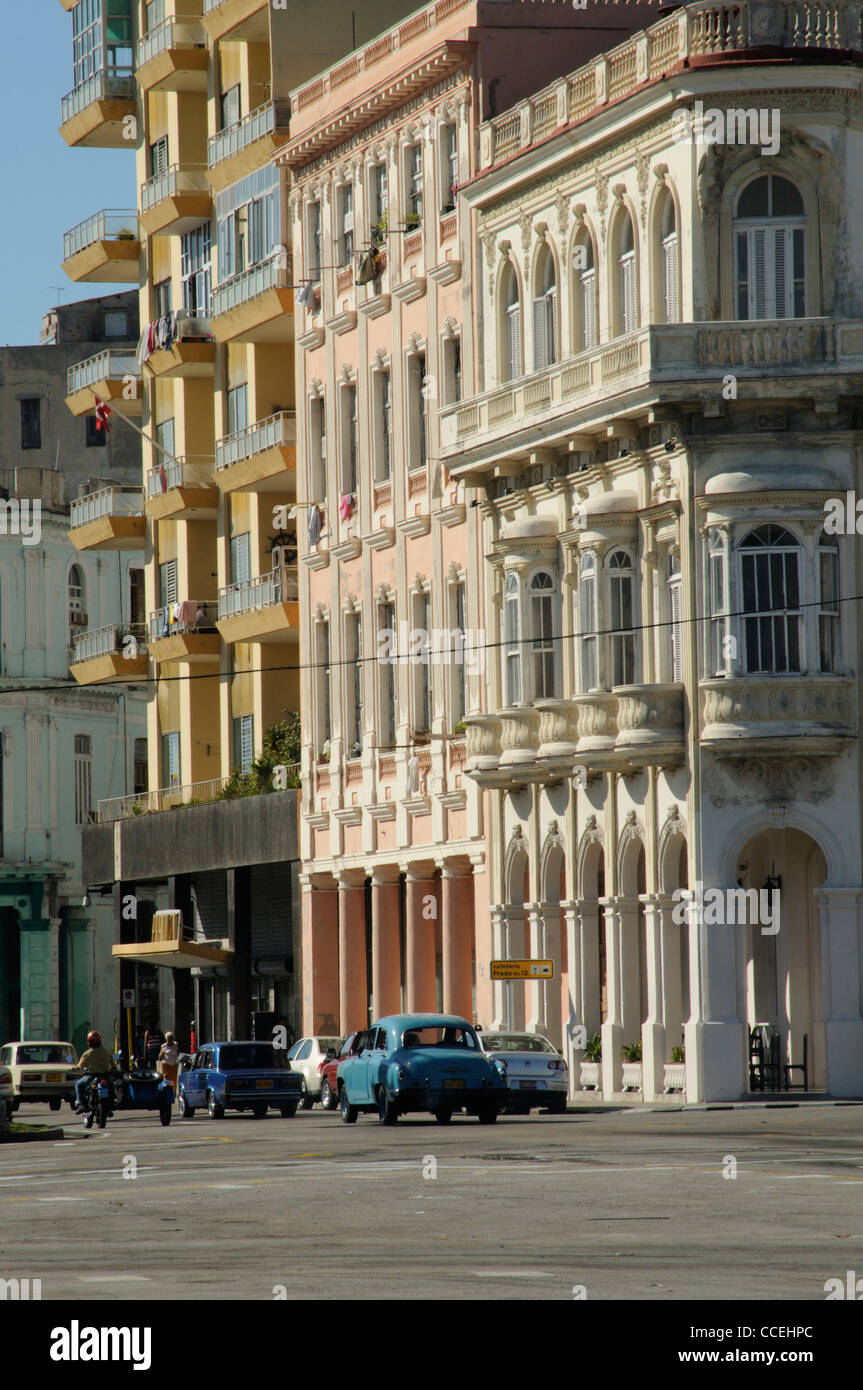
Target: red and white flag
102, 413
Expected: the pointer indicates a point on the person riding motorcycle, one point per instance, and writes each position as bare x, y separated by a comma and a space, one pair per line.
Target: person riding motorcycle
96, 1061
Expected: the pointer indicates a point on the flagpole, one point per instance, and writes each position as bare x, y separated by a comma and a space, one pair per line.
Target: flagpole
118, 414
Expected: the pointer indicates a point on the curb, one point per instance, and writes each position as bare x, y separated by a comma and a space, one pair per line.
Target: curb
32, 1138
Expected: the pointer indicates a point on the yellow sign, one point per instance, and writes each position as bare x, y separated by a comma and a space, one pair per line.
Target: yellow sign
522, 969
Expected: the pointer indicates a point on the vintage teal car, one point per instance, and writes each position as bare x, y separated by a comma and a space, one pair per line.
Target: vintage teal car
420, 1062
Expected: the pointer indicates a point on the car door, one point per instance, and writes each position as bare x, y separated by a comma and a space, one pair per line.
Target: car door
369, 1063
353, 1074
194, 1082
300, 1063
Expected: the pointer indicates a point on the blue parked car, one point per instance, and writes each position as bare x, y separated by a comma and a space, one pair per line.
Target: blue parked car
420, 1062
239, 1076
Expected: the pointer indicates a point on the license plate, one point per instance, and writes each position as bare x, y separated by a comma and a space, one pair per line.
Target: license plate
264, 1085
54, 1076
452, 1083
528, 1085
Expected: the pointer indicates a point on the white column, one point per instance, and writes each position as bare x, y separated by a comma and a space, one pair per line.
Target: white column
653, 1029
840, 910
612, 1028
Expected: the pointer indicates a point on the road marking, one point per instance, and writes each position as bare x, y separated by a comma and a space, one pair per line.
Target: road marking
511, 1274
228, 1186
61, 1199
115, 1279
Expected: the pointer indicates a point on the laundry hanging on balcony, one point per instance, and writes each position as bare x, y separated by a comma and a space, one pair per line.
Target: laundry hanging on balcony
316, 525
369, 267
305, 296
162, 333
346, 507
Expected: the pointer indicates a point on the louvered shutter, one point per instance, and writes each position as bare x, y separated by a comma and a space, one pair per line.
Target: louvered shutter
675, 594
240, 559
246, 742
551, 324
540, 334
757, 274
588, 308
513, 315
627, 293
780, 271
168, 582
670, 273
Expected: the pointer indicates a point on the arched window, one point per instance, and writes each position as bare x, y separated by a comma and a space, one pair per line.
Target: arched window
627, 297
587, 621
75, 594
542, 591
545, 312
620, 592
512, 641
511, 325
586, 327
669, 261
828, 602
770, 250
770, 588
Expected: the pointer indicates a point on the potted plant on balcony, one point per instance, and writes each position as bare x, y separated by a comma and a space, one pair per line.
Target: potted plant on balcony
675, 1070
355, 750
380, 229
127, 234
590, 1063
631, 1054
410, 221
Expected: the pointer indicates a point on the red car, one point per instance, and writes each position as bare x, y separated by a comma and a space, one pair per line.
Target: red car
329, 1092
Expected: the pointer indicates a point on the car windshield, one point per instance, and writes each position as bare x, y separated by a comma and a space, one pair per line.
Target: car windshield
515, 1042
248, 1055
45, 1055
439, 1035
326, 1043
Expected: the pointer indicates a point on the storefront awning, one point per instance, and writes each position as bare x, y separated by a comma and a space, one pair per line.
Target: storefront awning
176, 955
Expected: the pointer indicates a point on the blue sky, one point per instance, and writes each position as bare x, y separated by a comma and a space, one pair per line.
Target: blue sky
48, 187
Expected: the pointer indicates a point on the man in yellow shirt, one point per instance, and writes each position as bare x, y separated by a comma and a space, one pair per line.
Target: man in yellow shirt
96, 1061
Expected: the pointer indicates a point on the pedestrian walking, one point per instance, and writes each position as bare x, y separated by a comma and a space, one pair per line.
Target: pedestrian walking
168, 1061
153, 1039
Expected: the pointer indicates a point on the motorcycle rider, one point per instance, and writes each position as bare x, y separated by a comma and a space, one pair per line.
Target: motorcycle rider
96, 1061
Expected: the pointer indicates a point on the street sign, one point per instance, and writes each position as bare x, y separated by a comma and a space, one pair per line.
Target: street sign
522, 969
128, 999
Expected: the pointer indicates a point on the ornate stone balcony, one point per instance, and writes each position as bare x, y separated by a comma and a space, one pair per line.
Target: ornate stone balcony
757, 715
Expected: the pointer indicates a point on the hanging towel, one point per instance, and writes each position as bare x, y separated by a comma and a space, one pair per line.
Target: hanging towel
366, 270
162, 478
316, 525
186, 611
346, 507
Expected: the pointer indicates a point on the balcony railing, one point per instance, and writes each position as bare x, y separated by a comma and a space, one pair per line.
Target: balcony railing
282, 586
102, 226
111, 640
166, 798
108, 501
180, 619
108, 84
105, 366
171, 33
272, 433
266, 120
179, 179
177, 472
698, 31
274, 274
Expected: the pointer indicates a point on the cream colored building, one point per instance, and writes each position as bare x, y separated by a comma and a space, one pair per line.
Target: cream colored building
668, 344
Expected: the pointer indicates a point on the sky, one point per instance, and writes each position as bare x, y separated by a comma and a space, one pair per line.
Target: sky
48, 188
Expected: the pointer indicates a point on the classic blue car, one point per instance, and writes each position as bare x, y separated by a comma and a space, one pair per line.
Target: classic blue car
239, 1076
420, 1062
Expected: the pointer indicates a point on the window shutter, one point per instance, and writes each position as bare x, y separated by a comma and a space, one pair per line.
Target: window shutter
670, 272
540, 334
627, 293
780, 264
168, 582
758, 280
588, 308
240, 559
246, 742
675, 595
551, 325
514, 343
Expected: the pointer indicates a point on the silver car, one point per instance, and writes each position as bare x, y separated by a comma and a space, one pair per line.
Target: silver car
536, 1074
307, 1056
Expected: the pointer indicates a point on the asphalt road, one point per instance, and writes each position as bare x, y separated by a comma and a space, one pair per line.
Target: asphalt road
626, 1204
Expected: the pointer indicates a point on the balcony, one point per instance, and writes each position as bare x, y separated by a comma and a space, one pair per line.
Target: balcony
110, 519
185, 631
106, 247
173, 57
256, 306
182, 490
113, 376
182, 346
679, 363
176, 201
265, 609
242, 148
245, 20
112, 653
757, 716
97, 112
624, 729
261, 458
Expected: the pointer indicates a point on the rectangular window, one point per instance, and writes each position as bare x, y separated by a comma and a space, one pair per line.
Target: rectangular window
384, 389
627, 292
828, 615
460, 656
452, 370
542, 643
513, 342
387, 668
354, 684
314, 259
324, 675
587, 630
415, 182
512, 642
159, 161
137, 598
675, 613
31, 423
244, 742
716, 655
670, 279
380, 197
140, 767
350, 434
83, 778
318, 432
449, 166
116, 323
588, 309
164, 435
419, 411
622, 635
545, 330
162, 298
771, 603
94, 438
171, 760
346, 240
230, 106
421, 656
238, 408
241, 562
196, 270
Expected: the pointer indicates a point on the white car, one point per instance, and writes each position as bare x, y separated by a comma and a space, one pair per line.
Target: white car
41, 1071
307, 1056
536, 1074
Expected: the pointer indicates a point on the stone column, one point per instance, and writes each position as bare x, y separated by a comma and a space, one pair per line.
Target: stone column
716, 1060
320, 928
420, 972
458, 938
840, 910
386, 963
353, 981
623, 1024
497, 914
544, 995
239, 895
572, 1045
653, 1028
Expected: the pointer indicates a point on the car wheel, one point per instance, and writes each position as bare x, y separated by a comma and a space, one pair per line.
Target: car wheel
306, 1100
15, 1104
288, 1109
259, 1110
387, 1112
347, 1111
54, 1104
328, 1100
443, 1116
165, 1114
487, 1114
214, 1109
187, 1111
557, 1105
